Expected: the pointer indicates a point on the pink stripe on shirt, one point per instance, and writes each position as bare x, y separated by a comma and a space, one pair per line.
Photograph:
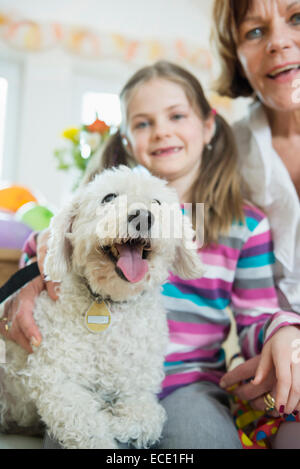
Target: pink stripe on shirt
194, 355
218, 260
195, 340
186, 378
225, 251
203, 282
242, 303
259, 239
243, 320
256, 294
194, 328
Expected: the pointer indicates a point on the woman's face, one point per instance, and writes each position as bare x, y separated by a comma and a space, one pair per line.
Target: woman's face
165, 134
269, 51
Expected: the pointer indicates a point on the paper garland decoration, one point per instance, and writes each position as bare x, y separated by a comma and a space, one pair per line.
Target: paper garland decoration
30, 36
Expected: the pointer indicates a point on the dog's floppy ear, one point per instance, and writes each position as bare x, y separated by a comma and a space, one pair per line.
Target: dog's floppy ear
187, 263
58, 259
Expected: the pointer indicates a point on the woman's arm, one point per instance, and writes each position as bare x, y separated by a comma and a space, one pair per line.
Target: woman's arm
260, 321
254, 298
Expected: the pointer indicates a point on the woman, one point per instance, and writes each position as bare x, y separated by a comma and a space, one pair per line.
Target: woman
258, 43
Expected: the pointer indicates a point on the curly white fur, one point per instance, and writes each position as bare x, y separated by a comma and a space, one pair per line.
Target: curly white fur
93, 390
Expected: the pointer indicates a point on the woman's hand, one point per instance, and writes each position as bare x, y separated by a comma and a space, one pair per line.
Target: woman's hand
18, 309
276, 370
279, 354
241, 378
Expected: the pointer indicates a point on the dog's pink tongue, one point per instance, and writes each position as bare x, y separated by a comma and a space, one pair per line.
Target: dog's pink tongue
131, 263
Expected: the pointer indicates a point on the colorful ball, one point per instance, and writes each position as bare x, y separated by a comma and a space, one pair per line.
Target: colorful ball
13, 197
13, 233
35, 216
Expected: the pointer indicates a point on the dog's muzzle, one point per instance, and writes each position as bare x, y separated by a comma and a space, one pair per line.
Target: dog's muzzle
130, 254
140, 223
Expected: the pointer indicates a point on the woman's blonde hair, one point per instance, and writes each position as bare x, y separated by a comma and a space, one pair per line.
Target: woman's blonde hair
227, 17
218, 182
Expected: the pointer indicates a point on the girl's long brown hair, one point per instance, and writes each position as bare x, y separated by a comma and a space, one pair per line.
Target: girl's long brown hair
218, 182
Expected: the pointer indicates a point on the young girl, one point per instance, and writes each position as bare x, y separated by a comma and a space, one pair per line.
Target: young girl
169, 128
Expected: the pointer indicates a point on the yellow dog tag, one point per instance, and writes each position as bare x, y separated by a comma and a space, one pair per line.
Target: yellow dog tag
97, 317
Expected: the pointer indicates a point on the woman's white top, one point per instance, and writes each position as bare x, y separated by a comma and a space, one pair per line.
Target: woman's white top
271, 188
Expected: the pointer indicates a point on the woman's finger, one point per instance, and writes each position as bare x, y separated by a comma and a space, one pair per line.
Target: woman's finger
294, 395
240, 373
249, 391
259, 404
284, 379
42, 247
296, 411
265, 365
53, 289
16, 334
26, 324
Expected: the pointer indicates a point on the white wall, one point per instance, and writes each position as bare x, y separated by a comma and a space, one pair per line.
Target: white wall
48, 80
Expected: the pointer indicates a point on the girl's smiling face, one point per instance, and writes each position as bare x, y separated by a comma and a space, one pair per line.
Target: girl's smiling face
164, 132
269, 50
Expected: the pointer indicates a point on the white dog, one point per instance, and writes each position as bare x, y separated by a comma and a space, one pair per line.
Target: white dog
95, 377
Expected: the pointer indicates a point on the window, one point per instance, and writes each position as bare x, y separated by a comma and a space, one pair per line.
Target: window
9, 118
105, 105
97, 95
3, 96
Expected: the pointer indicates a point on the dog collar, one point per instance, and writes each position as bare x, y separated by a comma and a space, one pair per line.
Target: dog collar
99, 298
98, 317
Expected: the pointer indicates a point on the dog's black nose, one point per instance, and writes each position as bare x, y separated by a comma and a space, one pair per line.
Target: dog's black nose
142, 220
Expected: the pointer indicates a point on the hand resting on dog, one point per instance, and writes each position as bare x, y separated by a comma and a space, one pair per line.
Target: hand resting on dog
19, 307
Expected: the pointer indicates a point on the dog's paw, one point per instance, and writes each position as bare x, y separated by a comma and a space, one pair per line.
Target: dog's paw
141, 429
105, 443
96, 442
150, 433
92, 442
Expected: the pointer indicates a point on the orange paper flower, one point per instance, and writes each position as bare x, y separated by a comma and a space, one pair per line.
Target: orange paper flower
98, 126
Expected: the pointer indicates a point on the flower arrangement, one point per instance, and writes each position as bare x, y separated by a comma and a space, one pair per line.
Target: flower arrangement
83, 143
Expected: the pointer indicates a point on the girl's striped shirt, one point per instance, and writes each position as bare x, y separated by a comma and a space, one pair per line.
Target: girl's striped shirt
238, 275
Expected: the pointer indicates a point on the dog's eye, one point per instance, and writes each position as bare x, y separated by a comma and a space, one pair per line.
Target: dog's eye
156, 200
108, 198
